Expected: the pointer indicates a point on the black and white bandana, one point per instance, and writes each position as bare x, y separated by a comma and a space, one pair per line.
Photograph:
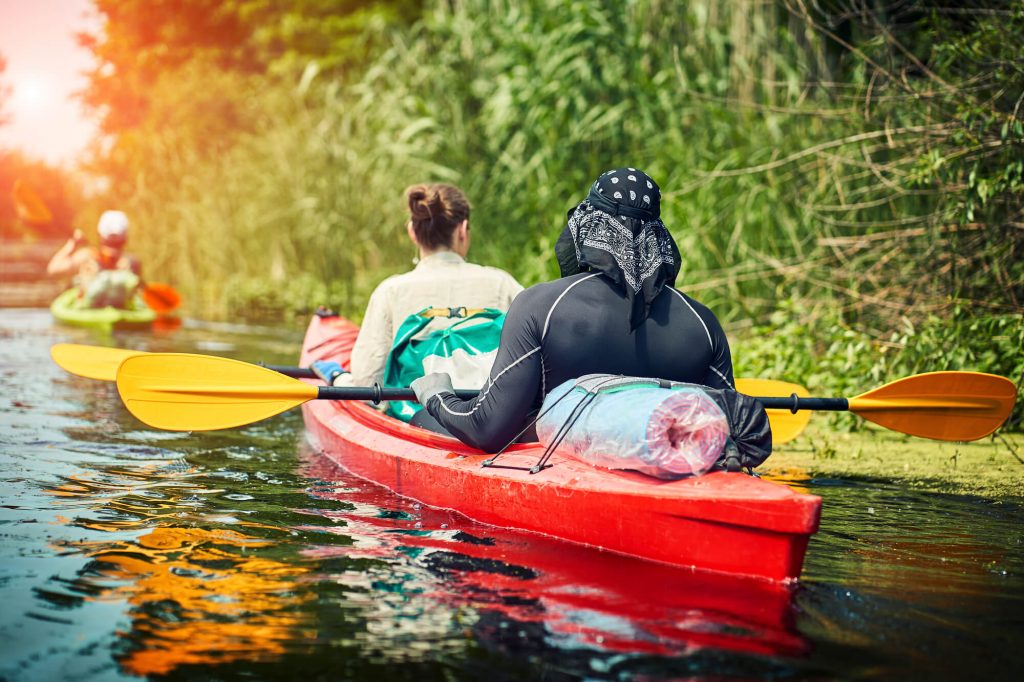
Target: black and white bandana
617, 231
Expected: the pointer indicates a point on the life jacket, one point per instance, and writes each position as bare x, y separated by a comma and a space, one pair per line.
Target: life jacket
110, 259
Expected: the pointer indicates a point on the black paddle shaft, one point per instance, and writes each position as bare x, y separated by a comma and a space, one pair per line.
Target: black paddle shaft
295, 372
794, 403
376, 394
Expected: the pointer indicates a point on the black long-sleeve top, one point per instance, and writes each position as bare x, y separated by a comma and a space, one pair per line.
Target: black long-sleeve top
579, 325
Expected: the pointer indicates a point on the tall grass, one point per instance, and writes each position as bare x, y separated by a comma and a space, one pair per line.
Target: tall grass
521, 103
798, 163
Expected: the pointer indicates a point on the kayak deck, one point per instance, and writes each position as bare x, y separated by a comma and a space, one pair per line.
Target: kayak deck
725, 522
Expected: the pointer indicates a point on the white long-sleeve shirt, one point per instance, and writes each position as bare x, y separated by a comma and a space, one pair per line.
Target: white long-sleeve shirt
442, 279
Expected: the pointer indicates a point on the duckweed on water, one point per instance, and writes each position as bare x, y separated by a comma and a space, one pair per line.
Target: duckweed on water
991, 467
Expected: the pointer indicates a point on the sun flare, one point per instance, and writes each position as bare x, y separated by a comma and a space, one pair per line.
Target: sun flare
31, 94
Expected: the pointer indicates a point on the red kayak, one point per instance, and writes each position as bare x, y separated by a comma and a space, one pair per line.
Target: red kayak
727, 522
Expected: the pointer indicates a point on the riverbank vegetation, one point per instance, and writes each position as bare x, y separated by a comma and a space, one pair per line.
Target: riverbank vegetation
845, 180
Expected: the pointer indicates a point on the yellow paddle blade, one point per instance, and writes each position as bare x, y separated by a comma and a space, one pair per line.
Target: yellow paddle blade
957, 406
92, 362
183, 392
785, 424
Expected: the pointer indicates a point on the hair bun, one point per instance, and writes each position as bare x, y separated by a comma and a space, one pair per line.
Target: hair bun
419, 202
435, 211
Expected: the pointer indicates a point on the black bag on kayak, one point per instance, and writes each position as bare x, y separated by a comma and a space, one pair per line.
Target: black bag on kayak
750, 441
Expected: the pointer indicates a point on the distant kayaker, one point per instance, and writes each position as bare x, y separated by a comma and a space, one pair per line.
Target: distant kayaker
614, 311
439, 227
106, 276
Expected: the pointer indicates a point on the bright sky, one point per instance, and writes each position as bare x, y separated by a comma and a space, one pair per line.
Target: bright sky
44, 67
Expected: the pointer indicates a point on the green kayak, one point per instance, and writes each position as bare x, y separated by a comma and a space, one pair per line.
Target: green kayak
67, 309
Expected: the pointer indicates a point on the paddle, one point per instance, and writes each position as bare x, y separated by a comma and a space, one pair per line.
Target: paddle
99, 362
29, 206
182, 392
786, 425
161, 298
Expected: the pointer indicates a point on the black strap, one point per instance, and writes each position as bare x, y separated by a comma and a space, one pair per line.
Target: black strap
562, 432
490, 461
732, 456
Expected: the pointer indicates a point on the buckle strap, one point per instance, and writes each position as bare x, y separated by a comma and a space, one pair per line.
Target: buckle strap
458, 311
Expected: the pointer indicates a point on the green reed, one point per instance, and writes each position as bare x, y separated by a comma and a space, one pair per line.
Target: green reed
522, 104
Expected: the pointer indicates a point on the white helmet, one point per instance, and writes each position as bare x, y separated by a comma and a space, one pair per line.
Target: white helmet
113, 226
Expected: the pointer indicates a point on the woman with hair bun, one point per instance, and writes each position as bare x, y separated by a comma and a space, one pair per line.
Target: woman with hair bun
439, 227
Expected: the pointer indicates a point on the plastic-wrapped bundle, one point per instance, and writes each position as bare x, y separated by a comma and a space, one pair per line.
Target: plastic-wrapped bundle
629, 423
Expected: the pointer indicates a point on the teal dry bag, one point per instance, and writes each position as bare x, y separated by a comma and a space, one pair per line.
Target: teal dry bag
465, 349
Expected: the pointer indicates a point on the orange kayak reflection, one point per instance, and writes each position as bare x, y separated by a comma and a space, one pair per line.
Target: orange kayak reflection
195, 595
228, 607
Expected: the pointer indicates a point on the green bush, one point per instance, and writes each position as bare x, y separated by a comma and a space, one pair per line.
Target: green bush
815, 347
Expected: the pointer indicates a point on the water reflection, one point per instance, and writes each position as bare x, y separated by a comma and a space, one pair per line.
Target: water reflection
195, 600
382, 577
195, 595
568, 597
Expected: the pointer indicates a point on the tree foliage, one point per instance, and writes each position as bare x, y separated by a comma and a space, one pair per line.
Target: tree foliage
144, 40
928, 214
168, 63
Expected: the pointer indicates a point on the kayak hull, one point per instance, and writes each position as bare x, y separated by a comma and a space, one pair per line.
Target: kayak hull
731, 523
66, 311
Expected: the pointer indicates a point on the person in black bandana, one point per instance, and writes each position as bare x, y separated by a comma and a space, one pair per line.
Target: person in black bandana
614, 311
617, 231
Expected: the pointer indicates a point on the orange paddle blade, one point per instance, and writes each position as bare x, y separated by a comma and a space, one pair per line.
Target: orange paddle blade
29, 206
161, 298
786, 424
954, 406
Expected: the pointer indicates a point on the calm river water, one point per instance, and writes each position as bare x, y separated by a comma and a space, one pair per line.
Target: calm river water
242, 554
